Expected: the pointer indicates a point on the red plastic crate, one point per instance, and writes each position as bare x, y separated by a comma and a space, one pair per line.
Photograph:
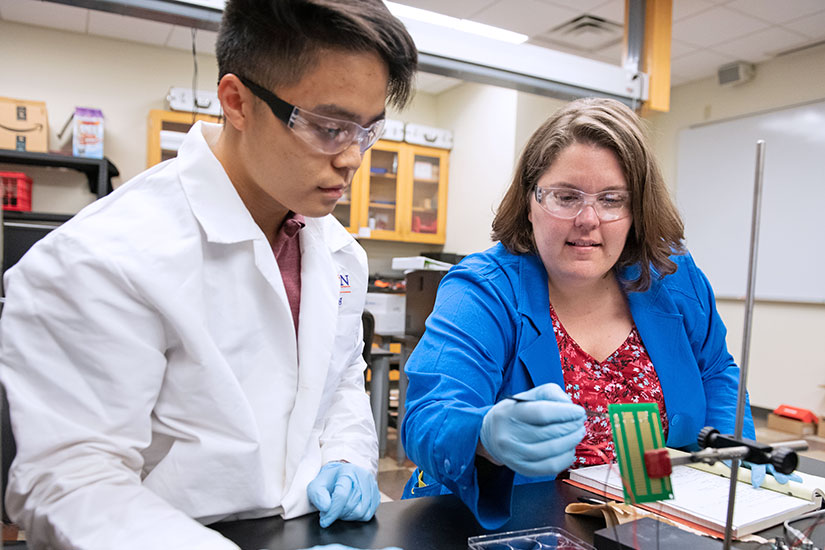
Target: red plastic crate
17, 191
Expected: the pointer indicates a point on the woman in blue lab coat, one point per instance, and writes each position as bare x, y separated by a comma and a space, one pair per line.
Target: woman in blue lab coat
588, 298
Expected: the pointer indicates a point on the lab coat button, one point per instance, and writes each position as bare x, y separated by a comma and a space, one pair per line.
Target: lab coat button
447, 465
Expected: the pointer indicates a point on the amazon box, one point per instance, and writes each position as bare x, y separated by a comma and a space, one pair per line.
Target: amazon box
24, 125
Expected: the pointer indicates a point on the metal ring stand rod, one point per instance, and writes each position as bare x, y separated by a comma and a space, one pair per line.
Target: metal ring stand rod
746, 336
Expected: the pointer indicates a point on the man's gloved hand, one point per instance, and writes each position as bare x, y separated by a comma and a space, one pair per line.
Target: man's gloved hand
758, 472
344, 491
342, 547
538, 438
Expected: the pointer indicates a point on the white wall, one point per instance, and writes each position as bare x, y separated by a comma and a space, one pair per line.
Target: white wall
531, 113
481, 118
787, 363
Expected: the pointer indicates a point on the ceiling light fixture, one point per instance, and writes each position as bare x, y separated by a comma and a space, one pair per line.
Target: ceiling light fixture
465, 25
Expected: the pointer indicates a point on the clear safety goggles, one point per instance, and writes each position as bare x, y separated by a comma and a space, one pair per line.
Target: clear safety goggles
566, 203
325, 134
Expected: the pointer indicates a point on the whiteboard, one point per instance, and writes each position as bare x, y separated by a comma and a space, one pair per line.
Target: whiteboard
716, 166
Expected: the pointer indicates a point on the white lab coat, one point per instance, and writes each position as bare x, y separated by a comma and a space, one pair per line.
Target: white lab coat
150, 359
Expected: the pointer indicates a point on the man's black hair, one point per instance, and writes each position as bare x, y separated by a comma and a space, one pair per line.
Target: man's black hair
275, 42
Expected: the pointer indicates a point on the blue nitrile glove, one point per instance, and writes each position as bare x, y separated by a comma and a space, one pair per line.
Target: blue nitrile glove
758, 472
344, 491
538, 438
342, 547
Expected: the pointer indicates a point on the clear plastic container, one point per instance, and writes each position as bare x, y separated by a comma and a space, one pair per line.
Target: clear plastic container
550, 538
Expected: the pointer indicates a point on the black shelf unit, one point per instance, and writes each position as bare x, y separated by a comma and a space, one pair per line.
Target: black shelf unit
99, 172
22, 229
33, 217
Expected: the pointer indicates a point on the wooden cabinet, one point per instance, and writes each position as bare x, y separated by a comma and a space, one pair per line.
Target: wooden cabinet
398, 194
166, 131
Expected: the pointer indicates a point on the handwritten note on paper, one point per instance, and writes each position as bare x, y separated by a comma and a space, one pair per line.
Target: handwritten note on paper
707, 497
702, 498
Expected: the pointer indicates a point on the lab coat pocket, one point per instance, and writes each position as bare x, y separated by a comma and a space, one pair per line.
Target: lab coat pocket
348, 338
345, 352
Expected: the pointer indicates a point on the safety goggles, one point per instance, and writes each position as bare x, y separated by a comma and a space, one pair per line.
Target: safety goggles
325, 134
566, 203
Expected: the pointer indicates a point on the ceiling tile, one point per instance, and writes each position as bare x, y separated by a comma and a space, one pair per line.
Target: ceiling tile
774, 11
46, 14
525, 16
581, 6
181, 38
715, 26
128, 28
463, 9
613, 10
676, 80
678, 49
812, 26
761, 45
699, 64
686, 8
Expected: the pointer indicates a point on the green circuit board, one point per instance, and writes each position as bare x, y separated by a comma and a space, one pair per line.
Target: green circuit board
636, 428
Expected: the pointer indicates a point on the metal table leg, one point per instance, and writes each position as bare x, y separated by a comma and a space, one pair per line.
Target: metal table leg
380, 396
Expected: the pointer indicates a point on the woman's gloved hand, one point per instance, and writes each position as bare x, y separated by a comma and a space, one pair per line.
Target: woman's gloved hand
535, 438
342, 547
758, 472
344, 491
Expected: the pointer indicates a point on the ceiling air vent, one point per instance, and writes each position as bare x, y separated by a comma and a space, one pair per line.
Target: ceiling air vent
586, 33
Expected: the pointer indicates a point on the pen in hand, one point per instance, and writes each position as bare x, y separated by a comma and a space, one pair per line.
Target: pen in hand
522, 400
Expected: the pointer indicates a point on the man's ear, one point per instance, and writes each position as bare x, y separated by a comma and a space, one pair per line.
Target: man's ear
236, 101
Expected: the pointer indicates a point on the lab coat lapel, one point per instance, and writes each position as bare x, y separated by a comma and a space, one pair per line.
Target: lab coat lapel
316, 337
538, 341
223, 216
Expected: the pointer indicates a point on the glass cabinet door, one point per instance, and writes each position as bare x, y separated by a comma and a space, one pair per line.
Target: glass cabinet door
429, 195
382, 188
426, 172
345, 209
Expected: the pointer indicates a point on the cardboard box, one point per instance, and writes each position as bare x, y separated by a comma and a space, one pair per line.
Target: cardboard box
820, 431
388, 310
24, 125
790, 425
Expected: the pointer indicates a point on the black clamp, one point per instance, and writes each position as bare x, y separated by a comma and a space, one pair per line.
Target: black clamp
783, 459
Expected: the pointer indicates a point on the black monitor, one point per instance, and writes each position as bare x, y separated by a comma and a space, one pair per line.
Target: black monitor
19, 236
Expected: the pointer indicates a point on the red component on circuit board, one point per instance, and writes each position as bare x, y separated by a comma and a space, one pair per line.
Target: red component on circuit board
657, 463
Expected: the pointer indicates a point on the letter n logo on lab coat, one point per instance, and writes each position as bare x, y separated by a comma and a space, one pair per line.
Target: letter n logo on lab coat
343, 280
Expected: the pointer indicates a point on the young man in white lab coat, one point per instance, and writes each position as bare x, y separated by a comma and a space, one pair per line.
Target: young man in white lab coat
188, 349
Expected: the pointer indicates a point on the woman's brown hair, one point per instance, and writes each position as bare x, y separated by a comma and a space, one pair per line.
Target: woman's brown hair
657, 230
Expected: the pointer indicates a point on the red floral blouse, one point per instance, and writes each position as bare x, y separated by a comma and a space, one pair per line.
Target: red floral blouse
626, 376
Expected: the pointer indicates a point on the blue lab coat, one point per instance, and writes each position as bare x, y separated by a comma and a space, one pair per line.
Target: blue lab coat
490, 335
